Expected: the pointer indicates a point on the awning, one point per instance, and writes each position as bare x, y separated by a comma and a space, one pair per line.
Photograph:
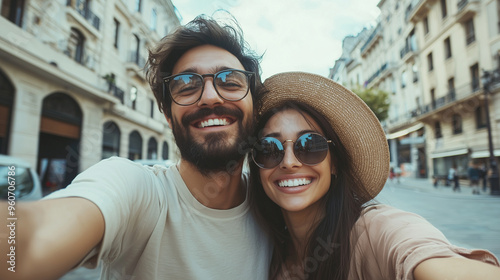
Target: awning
405, 131
450, 153
485, 154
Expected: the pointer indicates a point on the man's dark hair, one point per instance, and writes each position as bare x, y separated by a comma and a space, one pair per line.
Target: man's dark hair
200, 31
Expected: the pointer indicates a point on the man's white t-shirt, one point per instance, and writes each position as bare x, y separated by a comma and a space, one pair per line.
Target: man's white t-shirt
156, 229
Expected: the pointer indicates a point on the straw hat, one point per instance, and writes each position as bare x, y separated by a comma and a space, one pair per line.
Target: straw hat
353, 121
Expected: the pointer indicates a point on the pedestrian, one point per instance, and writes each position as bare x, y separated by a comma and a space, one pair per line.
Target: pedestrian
474, 175
453, 177
189, 221
391, 173
321, 157
483, 172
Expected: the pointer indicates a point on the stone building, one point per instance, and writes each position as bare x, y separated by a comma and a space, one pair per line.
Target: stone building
431, 56
72, 86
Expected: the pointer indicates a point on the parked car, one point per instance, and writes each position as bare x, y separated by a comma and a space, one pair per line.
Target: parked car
26, 184
151, 162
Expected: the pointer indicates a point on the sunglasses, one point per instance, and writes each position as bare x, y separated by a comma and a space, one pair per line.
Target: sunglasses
187, 88
310, 149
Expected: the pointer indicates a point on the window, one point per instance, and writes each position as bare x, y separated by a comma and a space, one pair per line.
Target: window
414, 69
480, 117
426, 25
470, 36
165, 150
117, 32
433, 98
437, 130
111, 140
7, 92
451, 89
75, 45
134, 146
152, 111
138, 4
474, 73
430, 64
133, 97
136, 48
403, 79
498, 15
444, 11
456, 122
152, 149
447, 48
154, 17
13, 10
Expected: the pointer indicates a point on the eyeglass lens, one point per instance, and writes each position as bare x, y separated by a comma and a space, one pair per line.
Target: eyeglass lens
309, 148
232, 85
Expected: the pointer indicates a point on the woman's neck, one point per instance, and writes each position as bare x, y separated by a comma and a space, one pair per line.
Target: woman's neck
300, 226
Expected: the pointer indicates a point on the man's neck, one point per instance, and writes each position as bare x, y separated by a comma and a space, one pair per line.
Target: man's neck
218, 189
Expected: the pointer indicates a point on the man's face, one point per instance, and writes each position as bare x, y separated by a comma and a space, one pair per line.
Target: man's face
209, 132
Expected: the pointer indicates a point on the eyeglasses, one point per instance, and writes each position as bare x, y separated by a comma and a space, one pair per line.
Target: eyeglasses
309, 149
187, 88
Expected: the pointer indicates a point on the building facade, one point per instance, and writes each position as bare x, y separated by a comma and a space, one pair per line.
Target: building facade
72, 86
430, 55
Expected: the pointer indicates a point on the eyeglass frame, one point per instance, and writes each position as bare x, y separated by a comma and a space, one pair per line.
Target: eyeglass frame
328, 141
248, 74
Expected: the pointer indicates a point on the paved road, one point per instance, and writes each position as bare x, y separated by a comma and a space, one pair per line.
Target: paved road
471, 221
467, 220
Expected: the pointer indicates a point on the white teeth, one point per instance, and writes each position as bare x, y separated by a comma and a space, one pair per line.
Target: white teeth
294, 182
213, 122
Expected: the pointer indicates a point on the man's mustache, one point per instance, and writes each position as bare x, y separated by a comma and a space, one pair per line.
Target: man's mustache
218, 111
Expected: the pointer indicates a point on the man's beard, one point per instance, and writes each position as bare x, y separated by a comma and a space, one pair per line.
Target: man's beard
215, 154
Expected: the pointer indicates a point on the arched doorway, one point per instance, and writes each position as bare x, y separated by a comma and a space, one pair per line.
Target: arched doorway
110, 140
134, 146
6, 105
165, 150
152, 148
59, 141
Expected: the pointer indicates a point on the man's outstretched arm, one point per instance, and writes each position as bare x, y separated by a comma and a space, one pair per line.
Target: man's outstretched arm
47, 238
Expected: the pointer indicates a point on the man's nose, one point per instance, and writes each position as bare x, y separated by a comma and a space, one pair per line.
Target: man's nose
209, 96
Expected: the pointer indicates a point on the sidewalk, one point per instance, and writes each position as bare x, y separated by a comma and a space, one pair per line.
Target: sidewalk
426, 185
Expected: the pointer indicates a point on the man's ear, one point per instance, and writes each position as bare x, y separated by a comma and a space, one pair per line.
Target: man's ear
169, 120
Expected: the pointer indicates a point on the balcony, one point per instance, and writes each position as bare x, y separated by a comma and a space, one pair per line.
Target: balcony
453, 97
407, 52
371, 41
467, 9
117, 92
418, 9
136, 59
81, 7
380, 72
135, 65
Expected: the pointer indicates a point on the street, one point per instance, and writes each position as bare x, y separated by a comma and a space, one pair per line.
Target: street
470, 221
467, 220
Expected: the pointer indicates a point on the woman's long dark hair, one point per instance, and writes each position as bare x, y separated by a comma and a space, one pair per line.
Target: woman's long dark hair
328, 251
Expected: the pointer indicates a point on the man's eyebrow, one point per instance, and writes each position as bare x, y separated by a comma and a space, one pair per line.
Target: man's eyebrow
212, 71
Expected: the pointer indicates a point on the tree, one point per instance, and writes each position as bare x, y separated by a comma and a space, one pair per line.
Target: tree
376, 99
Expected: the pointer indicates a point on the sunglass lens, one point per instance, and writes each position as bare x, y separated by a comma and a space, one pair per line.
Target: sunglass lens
311, 148
268, 153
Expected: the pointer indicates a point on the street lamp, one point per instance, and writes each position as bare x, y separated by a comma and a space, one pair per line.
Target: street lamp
493, 177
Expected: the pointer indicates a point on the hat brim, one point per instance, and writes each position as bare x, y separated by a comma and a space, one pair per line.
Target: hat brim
356, 125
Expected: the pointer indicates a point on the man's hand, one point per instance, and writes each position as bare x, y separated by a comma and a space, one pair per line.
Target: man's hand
47, 238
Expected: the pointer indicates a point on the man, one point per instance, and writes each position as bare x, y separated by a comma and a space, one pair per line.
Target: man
190, 221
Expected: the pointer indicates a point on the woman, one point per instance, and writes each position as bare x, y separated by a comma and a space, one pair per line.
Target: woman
321, 156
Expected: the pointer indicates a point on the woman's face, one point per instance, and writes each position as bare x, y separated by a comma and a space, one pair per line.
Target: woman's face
293, 185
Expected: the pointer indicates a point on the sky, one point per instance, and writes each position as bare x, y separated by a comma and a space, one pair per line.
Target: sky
293, 35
